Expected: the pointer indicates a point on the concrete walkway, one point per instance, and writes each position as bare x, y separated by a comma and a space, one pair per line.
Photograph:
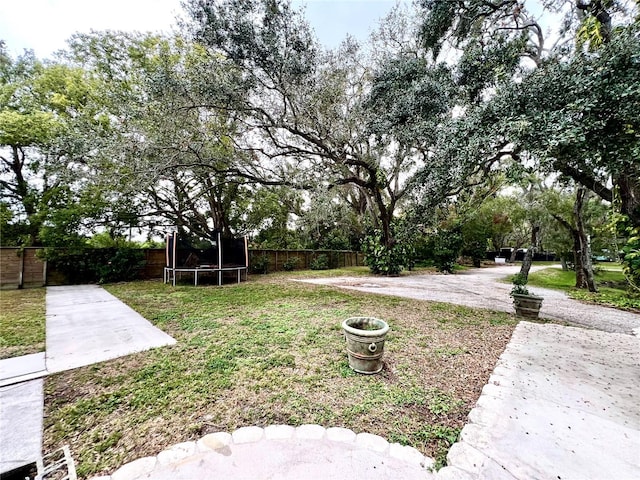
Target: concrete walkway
21, 407
562, 403
20, 369
482, 288
87, 325
84, 325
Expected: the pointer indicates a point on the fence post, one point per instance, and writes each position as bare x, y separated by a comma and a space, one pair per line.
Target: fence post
21, 273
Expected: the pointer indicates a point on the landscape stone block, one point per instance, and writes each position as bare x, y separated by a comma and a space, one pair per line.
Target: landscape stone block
247, 435
475, 435
176, 452
454, 473
214, 441
406, 453
339, 434
278, 432
372, 442
465, 457
310, 432
135, 469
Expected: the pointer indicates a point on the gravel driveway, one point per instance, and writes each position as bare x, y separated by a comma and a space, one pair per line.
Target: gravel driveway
482, 288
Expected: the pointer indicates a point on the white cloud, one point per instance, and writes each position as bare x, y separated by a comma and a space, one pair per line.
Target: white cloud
45, 25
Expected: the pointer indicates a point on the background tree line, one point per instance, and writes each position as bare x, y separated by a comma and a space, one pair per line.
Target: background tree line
403, 147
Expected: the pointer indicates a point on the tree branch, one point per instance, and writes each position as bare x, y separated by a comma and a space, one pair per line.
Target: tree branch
586, 180
563, 222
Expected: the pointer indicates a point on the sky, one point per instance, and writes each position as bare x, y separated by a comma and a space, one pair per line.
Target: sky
45, 25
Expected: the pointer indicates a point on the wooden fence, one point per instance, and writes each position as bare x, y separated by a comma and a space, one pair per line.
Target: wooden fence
276, 259
23, 267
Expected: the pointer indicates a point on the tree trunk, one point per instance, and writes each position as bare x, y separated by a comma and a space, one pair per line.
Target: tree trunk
385, 214
528, 258
27, 197
628, 183
563, 262
581, 281
581, 248
586, 270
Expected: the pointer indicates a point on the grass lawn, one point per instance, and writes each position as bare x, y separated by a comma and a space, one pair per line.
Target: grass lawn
22, 322
610, 280
271, 351
614, 267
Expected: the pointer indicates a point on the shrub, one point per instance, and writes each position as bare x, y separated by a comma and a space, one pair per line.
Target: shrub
123, 266
382, 260
446, 249
630, 251
101, 265
260, 264
631, 259
321, 262
291, 264
477, 250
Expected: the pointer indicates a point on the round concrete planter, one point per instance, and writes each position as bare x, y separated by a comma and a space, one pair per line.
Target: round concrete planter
527, 306
365, 343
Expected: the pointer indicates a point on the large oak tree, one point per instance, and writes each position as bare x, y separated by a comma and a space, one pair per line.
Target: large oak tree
332, 118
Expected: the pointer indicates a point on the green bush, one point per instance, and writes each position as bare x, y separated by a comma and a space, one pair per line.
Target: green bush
446, 249
382, 260
321, 262
260, 264
475, 238
424, 246
631, 259
476, 249
102, 265
630, 250
290, 264
123, 266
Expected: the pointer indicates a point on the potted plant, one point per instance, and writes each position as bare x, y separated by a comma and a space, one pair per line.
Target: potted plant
365, 343
526, 304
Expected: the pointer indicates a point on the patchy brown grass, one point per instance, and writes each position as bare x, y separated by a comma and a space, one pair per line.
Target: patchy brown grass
271, 351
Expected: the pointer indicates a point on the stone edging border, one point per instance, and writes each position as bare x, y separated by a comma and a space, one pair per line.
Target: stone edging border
243, 435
